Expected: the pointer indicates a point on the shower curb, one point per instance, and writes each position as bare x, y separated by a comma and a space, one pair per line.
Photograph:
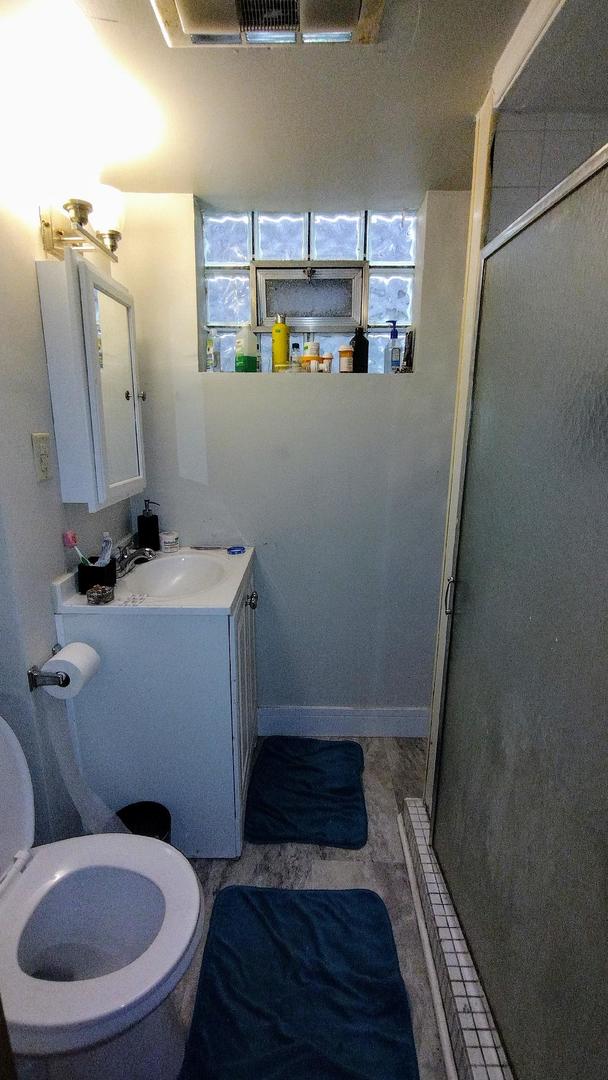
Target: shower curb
476, 1045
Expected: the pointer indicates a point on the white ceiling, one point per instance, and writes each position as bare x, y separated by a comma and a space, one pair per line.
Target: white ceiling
317, 127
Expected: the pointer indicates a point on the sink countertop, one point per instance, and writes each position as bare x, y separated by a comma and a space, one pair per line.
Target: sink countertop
218, 599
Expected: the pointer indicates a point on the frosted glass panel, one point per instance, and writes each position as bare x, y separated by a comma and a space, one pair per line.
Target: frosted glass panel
522, 808
391, 238
337, 236
390, 296
227, 239
281, 236
227, 298
319, 298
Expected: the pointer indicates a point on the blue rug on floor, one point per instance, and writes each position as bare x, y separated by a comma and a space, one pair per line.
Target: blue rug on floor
307, 791
300, 985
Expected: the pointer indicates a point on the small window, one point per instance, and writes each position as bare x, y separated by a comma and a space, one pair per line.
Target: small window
327, 272
227, 239
391, 239
281, 236
337, 236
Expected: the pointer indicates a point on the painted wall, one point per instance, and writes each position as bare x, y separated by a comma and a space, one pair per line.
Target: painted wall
339, 484
32, 519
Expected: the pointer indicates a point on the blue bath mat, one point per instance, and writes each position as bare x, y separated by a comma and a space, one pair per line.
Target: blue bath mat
300, 985
307, 791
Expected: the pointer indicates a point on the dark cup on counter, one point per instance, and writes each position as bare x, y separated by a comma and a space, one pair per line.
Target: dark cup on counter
95, 575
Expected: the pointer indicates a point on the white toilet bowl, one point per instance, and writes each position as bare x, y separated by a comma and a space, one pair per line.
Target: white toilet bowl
95, 934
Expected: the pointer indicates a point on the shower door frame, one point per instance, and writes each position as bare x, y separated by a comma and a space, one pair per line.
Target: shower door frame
589, 168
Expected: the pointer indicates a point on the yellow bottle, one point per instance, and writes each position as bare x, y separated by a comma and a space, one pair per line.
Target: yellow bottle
280, 344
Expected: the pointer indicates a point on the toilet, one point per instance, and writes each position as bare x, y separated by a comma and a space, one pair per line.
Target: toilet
96, 932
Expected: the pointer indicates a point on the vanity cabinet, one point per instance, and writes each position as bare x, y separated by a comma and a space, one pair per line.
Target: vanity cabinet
89, 335
170, 716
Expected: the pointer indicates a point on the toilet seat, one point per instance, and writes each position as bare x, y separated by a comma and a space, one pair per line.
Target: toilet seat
126, 910
57, 1017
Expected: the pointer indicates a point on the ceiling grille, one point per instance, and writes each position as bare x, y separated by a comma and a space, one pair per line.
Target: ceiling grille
269, 14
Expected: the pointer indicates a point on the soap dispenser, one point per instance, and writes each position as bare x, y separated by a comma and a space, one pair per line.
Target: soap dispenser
392, 351
148, 533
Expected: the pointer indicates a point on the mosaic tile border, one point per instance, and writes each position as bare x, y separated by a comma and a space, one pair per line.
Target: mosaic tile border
476, 1045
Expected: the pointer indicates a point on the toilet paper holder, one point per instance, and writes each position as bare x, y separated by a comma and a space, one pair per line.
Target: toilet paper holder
36, 677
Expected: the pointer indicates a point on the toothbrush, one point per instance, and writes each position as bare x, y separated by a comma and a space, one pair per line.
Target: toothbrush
70, 540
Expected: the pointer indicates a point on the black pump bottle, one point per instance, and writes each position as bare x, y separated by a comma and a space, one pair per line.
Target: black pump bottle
360, 346
148, 534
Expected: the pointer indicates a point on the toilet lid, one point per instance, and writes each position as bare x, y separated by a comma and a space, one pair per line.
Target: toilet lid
17, 813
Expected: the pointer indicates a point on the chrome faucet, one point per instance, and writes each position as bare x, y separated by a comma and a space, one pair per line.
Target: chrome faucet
128, 557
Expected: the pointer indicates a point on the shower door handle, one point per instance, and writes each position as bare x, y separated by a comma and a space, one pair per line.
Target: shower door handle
448, 600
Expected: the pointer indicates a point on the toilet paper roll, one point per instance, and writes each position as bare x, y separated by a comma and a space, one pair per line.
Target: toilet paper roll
79, 661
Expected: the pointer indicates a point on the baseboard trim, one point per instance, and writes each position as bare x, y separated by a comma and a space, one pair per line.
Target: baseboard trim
311, 720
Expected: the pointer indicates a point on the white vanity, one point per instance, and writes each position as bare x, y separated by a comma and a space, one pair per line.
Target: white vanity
171, 714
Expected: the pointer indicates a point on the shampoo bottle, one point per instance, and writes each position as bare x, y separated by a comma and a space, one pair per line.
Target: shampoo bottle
148, 534
280, 344
392, 351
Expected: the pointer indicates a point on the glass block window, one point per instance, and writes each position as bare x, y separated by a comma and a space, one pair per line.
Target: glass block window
228, 298
281, 236
337, 236
383, 244
391, 239
390, 297
227, 239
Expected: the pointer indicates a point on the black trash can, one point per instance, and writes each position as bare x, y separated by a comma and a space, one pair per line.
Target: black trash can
147, 819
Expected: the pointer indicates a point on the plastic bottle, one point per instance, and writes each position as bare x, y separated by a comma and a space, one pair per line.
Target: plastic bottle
392, 350
280, 344
360, 346
295, 360
345, 353
148, 534
213, 357
246, 350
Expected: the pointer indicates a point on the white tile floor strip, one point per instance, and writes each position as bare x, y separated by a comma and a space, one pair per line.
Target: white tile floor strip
478, 1052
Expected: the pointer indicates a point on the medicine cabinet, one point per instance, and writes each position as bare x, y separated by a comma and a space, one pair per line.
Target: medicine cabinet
89, 336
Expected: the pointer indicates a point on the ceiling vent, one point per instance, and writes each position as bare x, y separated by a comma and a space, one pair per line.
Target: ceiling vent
251, 23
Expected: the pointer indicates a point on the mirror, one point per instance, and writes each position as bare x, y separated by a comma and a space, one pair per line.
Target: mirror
117, 389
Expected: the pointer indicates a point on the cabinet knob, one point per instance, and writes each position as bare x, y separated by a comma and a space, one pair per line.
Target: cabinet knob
251, 600
142, 395
127, 395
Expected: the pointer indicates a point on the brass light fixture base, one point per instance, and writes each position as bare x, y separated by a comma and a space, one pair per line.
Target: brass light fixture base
78, 211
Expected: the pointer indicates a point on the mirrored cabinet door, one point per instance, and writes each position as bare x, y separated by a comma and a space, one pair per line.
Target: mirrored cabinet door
117, 387
109, 340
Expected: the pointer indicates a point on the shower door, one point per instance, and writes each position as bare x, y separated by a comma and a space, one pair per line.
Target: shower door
521, 815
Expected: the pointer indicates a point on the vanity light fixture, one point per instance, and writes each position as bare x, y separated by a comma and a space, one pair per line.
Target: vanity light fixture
74, 228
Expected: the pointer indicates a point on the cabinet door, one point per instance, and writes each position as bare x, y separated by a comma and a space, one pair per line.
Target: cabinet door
244, 702
109, 339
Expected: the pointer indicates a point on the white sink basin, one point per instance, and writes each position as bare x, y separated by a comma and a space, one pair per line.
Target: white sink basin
173, 577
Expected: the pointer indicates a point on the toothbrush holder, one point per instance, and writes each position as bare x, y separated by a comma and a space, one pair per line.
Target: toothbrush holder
95, 575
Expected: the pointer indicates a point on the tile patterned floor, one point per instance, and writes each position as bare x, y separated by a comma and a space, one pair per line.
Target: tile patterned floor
478, 1052
394, 769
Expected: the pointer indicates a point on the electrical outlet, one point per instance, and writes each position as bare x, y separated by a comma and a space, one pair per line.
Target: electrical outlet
41, 444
